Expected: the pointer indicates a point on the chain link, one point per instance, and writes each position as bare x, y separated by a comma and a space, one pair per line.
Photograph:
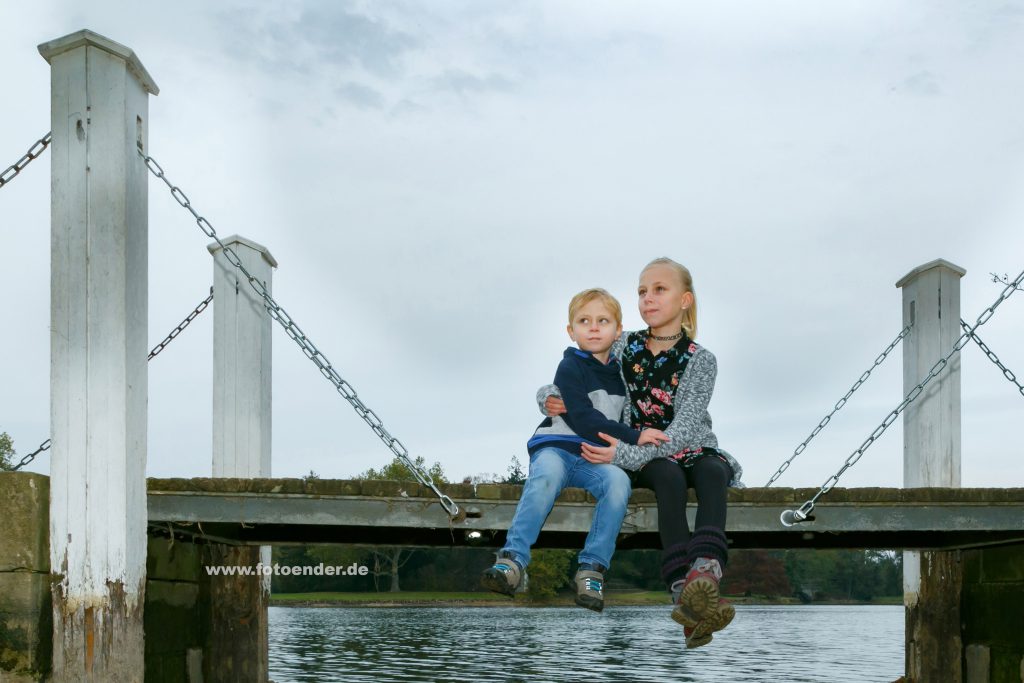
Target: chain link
856, 385
45, 446
181, 326
309, 349
994, 358
33, 153
790, 517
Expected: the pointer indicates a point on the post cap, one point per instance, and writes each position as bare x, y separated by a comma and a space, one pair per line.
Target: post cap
236, 239
85, 37
937, 263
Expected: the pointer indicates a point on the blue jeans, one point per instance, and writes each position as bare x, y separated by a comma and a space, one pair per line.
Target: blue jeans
553, 469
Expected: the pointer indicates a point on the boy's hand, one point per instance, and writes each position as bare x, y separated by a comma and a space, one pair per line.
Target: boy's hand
600, 455
554, 406
654, 437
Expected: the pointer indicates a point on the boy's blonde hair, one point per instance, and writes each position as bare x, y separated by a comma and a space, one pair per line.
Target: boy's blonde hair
690, 313
588, 295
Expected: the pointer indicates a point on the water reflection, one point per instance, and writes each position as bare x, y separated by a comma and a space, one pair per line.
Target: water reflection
770, 643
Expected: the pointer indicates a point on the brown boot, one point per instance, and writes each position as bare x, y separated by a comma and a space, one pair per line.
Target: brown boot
699, 597
699, 633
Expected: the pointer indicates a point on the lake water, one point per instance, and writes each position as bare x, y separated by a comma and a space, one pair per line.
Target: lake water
765, 643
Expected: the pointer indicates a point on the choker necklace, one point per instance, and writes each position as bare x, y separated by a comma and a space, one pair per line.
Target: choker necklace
670, 338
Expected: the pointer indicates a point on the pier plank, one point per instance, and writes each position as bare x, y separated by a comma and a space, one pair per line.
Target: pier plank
287, 511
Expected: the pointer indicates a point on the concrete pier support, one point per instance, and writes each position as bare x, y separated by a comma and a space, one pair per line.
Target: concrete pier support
241, 448
26, 614
993, 600
931, 457
98, 345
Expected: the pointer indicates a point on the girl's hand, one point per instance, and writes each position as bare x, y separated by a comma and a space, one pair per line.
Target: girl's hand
600, 455
654, 437
554, 406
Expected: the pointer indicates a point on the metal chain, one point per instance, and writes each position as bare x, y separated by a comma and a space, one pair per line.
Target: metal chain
791, 517
7, 176
177, 330
994, 358
856, 385
308, 348
33, 153
45, 446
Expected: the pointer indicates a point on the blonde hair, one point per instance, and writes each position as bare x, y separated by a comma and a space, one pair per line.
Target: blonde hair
689, 313
588, 295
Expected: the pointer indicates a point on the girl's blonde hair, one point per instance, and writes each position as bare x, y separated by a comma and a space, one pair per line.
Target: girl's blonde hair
689, 313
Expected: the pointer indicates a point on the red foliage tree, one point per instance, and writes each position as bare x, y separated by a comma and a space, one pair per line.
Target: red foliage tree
755, 572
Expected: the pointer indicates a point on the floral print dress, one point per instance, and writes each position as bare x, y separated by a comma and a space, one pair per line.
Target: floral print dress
651, 383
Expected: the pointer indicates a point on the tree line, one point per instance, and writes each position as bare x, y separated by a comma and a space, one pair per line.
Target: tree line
809, 575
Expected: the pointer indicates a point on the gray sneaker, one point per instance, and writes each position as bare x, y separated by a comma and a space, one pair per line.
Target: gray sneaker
505, 576
590, 589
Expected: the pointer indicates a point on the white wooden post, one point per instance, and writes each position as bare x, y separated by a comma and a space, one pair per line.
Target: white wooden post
241, 362
241, 448
931, 424
98, 346
931, 457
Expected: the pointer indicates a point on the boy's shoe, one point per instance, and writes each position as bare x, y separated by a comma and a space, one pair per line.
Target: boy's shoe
505, 576
590, 587
699, 596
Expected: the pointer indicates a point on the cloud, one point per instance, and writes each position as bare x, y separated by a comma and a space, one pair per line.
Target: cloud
331, 35
463, 83
407, 106
367, 58
362, 96
345, 37
922, 84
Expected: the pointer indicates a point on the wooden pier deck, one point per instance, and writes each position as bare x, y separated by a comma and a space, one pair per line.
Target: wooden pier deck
289, 511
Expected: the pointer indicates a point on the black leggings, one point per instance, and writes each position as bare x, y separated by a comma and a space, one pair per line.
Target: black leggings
709, 477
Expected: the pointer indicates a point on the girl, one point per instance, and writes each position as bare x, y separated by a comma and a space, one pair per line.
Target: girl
669, 379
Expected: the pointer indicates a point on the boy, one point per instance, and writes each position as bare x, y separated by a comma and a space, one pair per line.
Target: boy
594, 396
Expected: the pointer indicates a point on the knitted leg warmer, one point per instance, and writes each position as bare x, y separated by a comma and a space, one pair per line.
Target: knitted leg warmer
674, 563
708, 541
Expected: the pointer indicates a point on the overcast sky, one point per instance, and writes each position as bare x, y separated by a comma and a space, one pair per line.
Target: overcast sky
437, 180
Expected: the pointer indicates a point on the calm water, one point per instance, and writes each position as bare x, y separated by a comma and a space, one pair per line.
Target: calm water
772, 643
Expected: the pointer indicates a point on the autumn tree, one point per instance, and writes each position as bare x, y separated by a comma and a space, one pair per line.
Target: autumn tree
844, 574
397, 470
548, 571
515, 473
756, 572
6, 452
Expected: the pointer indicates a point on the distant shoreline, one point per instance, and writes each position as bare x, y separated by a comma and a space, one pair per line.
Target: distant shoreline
482, 599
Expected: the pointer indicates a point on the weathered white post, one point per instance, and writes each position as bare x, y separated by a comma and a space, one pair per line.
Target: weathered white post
241, 362
98, 383
241, 448
931, 457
